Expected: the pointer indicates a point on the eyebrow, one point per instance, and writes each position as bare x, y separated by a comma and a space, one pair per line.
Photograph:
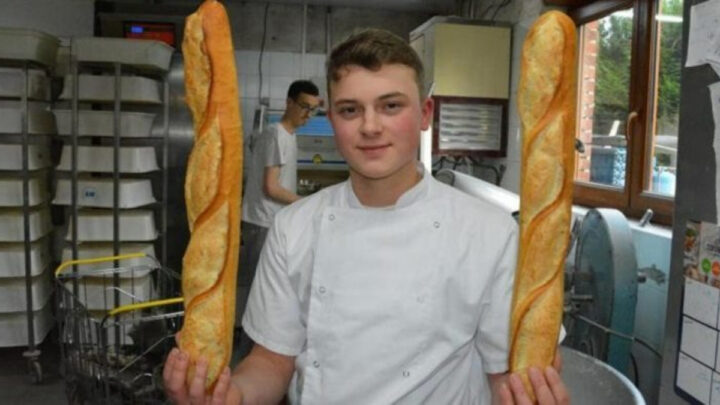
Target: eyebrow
383, 97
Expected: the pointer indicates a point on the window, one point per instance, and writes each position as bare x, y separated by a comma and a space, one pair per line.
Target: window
628, 104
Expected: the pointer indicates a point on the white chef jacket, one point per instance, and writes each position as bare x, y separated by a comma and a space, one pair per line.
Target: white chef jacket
408, 304
274, 147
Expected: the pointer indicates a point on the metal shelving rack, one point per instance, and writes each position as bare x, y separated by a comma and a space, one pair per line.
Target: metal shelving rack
160, 143
32, 354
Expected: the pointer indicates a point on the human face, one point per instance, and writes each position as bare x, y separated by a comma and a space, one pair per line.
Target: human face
301, 109
377, 117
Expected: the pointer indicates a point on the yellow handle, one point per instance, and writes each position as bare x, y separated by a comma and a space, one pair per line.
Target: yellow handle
143, 305
69, 263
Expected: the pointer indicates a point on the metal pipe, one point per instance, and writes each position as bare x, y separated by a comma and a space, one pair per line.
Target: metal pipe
303, 45
165, 160
26, 206
116, 188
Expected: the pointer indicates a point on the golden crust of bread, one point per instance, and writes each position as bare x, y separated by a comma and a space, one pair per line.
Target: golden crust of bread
546, 105
212, 190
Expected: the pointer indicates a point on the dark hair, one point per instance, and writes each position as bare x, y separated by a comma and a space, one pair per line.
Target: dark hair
302, 86
371, 49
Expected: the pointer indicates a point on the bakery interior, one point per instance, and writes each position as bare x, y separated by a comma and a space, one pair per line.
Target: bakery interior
86, 171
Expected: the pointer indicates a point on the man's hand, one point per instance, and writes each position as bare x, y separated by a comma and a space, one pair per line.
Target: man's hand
174, 374
548, 386
549, 389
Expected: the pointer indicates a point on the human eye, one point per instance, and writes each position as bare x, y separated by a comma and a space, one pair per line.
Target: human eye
392, 106
348, 111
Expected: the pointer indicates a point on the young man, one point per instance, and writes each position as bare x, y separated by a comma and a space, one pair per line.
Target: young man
388, 288
271, 183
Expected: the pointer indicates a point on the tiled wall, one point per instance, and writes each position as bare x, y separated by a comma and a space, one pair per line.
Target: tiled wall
279, 69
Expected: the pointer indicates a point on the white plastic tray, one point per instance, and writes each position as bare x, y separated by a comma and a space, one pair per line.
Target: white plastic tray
133, 89
13, 293
94, 250
141, 53
12, 84
11, 224
99, 292
14, 326
11, 157
12, 258
97, 226
24, 44
11, 190
98, 193
100, 123
133, 159
40, 121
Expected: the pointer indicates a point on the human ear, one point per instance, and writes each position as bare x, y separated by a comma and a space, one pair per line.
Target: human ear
426, 109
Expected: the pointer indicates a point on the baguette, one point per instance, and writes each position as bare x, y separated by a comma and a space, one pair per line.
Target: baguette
546, 105
212, 191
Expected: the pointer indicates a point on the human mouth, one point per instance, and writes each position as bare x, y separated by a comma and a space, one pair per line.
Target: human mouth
373, 150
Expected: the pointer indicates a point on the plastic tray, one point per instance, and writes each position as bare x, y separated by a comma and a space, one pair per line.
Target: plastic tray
11, 157
12, 258
133, 159
30, 45
11, 224
93, 250
98, 193
97, 226
40, 121
11, 190
134, 89
98, 292
14, 326
100, 123
13, 292
12, 84
147, 54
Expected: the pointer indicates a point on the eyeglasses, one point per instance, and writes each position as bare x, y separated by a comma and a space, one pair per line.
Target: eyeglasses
312, 110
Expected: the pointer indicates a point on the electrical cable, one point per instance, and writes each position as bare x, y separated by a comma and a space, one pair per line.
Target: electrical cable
262, 51
636, 374
500, 7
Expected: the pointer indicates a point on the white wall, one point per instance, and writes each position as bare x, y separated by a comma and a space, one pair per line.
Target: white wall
62, 18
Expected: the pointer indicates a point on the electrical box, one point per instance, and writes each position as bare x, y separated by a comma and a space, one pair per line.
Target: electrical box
467, 72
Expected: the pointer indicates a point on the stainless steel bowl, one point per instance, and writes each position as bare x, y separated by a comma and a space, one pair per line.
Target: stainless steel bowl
590, 381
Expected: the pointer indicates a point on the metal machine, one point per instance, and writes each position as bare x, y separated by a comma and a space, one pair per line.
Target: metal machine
601, 275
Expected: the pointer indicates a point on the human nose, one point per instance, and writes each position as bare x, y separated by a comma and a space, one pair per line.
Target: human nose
370, 123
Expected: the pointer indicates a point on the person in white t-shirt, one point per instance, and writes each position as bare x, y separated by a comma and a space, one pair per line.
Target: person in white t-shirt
388, 288
271, 184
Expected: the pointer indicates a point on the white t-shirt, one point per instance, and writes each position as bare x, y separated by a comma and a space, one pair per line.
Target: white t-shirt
409, 304
274, 147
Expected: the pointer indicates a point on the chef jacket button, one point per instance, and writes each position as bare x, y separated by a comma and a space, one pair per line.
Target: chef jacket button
406, 373
322, 290
436, 224
331, 217
316, 364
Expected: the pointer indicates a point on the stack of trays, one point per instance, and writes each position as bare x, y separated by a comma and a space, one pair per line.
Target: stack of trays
143, 66
39, 49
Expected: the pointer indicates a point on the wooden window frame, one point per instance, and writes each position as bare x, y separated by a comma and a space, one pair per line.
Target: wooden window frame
633, 200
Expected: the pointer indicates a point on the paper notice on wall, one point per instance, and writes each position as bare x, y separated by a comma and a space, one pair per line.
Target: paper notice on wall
704, 20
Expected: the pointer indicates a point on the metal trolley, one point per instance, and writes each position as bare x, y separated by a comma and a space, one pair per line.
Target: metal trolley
116, 327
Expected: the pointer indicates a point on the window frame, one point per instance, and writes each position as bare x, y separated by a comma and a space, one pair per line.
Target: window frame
633, 200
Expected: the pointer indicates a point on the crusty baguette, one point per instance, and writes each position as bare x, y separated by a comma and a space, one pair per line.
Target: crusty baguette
546, 105
212, 190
